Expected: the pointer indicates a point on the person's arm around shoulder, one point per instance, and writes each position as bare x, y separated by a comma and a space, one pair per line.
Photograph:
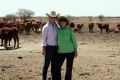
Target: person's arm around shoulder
44, 39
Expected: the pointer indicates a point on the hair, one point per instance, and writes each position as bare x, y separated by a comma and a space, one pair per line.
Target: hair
63, 18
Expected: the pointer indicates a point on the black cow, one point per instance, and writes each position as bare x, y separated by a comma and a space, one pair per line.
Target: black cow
79, 27
118, 26
72, 25
103, 26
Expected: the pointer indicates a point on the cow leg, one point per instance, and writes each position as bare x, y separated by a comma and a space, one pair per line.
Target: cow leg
17, 42
107, 30
5, 43
101, 31
14, 42
9, 42
1, 42
80, 31
28, 31
36, 29
92, 29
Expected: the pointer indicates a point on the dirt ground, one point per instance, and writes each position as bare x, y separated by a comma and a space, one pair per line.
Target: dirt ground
98, 58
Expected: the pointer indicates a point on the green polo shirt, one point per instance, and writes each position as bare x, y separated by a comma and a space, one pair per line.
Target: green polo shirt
66, 40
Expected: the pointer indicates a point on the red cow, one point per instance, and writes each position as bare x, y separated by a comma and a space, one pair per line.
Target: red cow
7, 34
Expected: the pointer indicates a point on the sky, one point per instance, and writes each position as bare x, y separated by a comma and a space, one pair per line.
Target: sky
63, 7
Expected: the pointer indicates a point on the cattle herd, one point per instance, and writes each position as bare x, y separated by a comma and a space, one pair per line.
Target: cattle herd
11, 29
78, 27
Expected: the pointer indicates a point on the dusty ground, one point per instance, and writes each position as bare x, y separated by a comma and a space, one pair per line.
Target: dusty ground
98, 59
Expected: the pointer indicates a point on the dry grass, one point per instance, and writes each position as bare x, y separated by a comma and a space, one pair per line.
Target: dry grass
98, 59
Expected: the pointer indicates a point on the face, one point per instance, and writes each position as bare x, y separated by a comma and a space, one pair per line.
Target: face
52, 19
63, 24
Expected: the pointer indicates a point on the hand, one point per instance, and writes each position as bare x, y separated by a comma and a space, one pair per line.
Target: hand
75, 54
43, 52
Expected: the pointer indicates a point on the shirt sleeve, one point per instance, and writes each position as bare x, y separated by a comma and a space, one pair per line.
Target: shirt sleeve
44, 36
73, 37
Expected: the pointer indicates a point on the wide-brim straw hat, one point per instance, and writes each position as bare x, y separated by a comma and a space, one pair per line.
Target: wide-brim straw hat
52, 14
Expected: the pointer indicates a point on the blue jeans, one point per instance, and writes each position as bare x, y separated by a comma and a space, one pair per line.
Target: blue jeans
50, 57
69, 65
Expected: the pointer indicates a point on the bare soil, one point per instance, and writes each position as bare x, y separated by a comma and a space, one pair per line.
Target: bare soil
98, 58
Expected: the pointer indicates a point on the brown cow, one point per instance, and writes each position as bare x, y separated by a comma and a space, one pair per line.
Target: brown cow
2, 24
36, 26
20, 26
6, 34
117, 29
41, 26
27, 27
91, 26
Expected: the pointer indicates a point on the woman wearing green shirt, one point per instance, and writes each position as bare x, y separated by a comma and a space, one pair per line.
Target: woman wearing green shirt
67, 48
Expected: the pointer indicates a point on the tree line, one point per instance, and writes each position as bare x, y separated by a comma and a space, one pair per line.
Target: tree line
24, 14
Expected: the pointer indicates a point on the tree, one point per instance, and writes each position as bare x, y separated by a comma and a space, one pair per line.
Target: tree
25, 13
101, 17
10, 16
90, 17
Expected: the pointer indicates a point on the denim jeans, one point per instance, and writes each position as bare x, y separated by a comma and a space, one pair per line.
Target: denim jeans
50, 57
69, 65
